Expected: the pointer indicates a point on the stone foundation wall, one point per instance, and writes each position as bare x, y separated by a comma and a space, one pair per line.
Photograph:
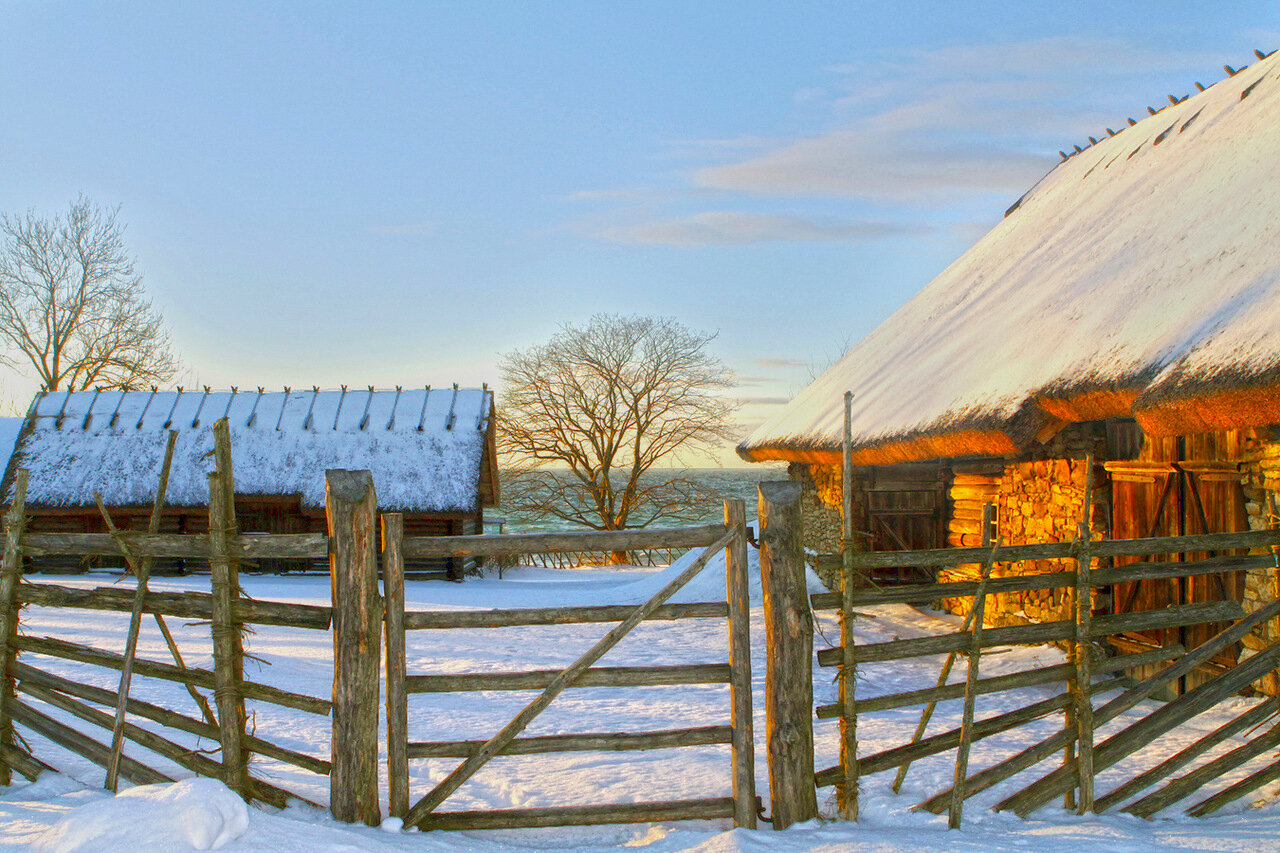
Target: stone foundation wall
1260, 474
821, 490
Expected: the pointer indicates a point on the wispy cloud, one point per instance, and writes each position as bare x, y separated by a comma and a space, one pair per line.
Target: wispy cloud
921, 126
926, 134
780, 362
730, 228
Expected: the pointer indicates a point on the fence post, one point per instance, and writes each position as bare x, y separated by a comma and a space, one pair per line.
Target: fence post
789, 652
1082, 704
744, 750
847, 792
397, 700
10, 572
351, 512
225, 627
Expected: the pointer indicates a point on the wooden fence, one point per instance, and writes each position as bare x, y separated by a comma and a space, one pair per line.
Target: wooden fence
741, 806
1084, 635
356, 549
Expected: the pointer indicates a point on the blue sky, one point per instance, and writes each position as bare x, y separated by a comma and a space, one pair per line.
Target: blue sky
398, 193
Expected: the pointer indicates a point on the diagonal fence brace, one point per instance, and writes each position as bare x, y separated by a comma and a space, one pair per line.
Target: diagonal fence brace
498, 742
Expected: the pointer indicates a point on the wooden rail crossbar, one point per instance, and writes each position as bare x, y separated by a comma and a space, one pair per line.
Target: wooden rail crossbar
599, 742
185, 605
1082, 631
603, 676
1068, 550
421, 620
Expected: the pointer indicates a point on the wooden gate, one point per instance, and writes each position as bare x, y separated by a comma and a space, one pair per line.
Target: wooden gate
730, 538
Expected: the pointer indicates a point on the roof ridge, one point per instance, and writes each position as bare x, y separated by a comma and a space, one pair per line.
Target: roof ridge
1174, 100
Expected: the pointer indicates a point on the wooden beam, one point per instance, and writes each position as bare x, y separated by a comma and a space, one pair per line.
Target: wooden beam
192, 605
510, 544
421, 620
164, 716
789, 655
10, 574
603, 676
591, 742
351, 506
742, 714
397, 698
708, 809
1144, 731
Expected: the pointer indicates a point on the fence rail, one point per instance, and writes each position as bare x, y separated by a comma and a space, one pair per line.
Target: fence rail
582, 673
1081, 759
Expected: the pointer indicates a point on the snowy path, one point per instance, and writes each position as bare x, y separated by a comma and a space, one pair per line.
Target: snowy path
300, 661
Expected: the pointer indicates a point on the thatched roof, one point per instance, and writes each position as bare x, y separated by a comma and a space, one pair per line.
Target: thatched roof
429, 450
1140, 277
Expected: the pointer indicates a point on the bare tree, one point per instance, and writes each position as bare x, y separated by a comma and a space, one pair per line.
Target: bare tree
73, 305
585, 416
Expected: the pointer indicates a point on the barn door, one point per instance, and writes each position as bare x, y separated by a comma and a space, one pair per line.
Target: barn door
1175, 498
905, 512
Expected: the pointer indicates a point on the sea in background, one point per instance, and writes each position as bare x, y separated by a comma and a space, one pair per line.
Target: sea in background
727, 483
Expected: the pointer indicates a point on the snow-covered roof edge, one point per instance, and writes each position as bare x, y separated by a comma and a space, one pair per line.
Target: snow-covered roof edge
1139, 277
430, 450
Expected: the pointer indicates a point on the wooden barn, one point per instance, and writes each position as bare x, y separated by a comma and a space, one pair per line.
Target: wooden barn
431, 452
1126, 309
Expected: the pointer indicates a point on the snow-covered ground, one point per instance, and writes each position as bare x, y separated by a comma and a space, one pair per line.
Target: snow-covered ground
69, 811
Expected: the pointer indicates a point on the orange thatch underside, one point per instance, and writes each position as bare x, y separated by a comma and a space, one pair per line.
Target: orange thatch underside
1090, 405
1209, 412
1218, 410
961, 443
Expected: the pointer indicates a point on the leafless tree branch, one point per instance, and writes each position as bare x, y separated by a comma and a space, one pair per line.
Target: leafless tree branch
587, 415
73, 306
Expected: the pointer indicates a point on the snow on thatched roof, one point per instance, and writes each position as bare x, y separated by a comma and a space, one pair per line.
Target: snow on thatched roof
426, 448
1139, 277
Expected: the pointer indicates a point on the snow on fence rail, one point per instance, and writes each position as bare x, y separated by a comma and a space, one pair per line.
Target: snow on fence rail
28, 692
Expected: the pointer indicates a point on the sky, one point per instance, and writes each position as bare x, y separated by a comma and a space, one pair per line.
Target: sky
399, 193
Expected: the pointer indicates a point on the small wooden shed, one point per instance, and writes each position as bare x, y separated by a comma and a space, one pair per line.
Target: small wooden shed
1126, 309
431, 452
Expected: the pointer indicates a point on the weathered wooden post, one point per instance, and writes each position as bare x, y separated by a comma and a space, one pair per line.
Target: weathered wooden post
10, 573
228, 648
397, 699
847, 791
744, 750
351, 507
789, 652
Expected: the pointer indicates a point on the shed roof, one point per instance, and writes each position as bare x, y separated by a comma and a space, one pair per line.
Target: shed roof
1139, 277
429, 450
